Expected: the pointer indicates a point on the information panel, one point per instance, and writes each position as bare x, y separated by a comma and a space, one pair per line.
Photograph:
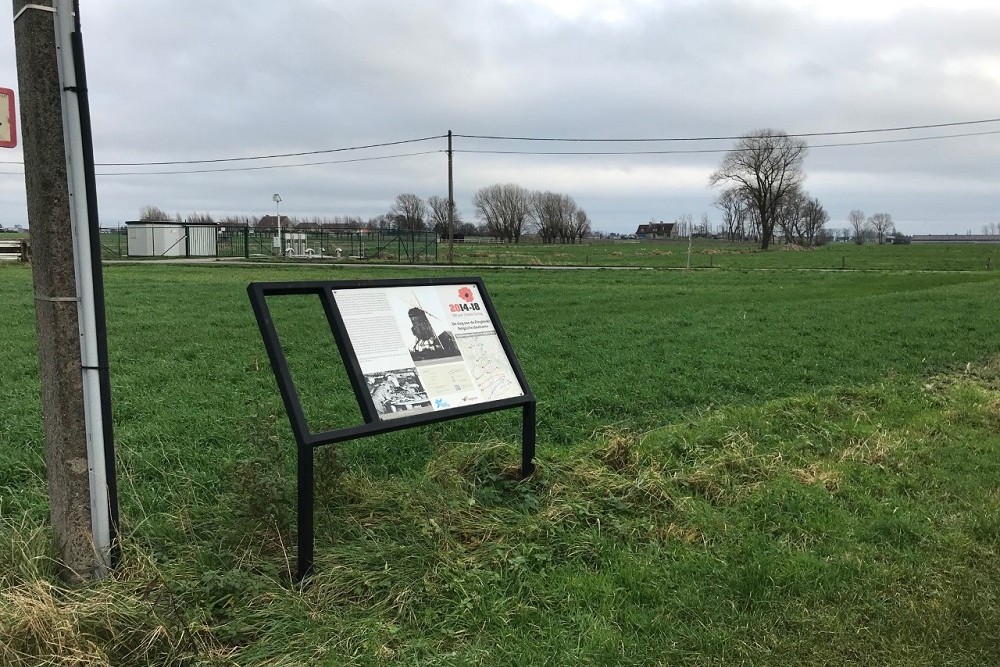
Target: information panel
425, 348
417, 352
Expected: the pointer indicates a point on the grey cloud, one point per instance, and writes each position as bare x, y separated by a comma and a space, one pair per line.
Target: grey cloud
195, 80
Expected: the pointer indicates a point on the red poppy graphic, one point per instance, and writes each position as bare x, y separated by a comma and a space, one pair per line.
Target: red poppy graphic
465, 294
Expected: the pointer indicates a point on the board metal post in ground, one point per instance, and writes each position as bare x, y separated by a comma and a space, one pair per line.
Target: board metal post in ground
416, 352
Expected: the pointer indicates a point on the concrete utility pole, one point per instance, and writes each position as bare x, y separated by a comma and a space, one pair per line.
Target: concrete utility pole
72, 357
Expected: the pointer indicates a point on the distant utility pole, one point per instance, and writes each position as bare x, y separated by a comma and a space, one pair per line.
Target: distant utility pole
451, 207
69, 287
690, 238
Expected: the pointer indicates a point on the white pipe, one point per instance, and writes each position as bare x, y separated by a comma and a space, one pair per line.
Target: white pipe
76, 177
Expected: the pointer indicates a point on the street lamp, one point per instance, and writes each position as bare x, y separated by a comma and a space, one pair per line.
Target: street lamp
277, 200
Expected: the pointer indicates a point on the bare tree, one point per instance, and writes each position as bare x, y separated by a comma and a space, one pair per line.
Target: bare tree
382, 222
813, 222
232, 221
991, 229
705, 226
504, 209
859, 225
789, 216
764, 166
554, 216
200, 219
439, 215
153, 214
881, 224
581, 225
753, 223
409, 212
734, 214
684, 224
801, 219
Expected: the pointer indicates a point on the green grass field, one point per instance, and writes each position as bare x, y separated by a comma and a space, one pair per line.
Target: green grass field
725, 255
734, 467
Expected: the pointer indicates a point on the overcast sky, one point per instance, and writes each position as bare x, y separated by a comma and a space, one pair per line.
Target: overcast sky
182, 80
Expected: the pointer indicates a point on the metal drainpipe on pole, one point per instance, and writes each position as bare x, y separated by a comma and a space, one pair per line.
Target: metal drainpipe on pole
451, 206
99, 502
100, 313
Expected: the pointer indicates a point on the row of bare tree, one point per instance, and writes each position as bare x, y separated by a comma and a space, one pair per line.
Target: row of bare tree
416, 218
798, 218
878, 226
762, 189
409, 212
506, 211
509, 210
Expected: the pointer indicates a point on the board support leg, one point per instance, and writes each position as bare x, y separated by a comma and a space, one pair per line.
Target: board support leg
305, 512
528, 440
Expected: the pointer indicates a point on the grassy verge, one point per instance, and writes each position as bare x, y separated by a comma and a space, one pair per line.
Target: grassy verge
850, 526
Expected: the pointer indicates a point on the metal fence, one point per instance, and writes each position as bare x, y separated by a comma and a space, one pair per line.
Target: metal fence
376, 246
383, 245
114, 243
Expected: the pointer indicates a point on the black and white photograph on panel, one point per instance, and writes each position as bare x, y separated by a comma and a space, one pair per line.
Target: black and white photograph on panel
430, 339
441, 335
397, 393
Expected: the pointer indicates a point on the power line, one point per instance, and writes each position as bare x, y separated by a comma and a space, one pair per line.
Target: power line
270, 166
907, 139
260, 157
518, 152
268, 157
231, 169
723, 150
729, 138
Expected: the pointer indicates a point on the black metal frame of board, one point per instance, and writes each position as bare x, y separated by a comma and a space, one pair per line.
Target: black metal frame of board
308, 441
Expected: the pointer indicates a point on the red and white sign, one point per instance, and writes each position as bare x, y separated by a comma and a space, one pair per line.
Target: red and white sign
8, 120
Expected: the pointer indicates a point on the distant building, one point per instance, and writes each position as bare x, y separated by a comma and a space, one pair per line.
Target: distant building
656, 230
955, 238
171, 239
271, 222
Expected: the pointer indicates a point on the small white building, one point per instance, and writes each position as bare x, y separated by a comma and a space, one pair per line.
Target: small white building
171, 239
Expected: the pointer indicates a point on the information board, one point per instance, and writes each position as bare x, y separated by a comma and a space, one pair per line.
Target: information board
416, 352
426, 348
